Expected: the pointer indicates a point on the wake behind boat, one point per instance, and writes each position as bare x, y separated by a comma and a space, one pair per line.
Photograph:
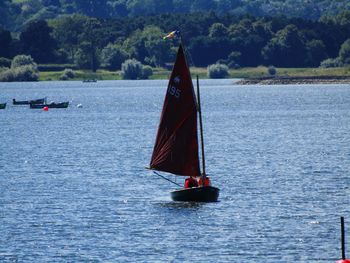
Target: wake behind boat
176, 147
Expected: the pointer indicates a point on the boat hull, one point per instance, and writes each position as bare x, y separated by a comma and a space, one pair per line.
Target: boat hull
196, 194
2, 106
50, 105
26, 102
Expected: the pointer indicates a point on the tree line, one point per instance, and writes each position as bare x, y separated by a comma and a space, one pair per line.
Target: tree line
92, 43
15, 14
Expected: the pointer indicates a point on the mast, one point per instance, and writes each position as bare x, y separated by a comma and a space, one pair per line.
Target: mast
200, 121
201, 130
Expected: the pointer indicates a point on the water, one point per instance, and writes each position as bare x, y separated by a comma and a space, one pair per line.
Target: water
73, 187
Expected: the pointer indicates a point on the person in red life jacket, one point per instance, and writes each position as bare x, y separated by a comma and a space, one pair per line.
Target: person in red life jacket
190, 182
206, 181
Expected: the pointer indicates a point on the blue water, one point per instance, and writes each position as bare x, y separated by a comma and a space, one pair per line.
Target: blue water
73, 187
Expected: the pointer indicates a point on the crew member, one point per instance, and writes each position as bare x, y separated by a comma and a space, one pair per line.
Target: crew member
206, 181
190, 182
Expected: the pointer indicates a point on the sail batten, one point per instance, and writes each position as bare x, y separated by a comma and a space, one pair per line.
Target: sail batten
176, 147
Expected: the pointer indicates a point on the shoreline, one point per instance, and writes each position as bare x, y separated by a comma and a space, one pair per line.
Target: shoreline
298, 80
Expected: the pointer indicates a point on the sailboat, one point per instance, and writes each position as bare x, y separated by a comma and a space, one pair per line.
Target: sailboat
176, 146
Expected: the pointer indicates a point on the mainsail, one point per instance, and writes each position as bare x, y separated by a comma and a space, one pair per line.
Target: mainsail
176, 147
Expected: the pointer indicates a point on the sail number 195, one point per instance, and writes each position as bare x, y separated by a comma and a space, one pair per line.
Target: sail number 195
173, 91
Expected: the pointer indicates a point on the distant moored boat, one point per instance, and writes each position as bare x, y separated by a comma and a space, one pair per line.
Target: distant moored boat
26, 102
2, 106
50, 105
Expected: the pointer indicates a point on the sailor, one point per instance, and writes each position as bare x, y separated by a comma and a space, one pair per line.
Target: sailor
190, 182
206, 181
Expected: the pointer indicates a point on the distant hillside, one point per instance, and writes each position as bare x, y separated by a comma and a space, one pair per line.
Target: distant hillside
15, 14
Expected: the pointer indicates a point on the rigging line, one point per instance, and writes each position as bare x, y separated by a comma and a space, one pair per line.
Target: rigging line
187, 53
166, 178
201, 128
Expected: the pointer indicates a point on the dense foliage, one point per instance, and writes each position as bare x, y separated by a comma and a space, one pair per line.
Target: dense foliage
23, 68
92, 43
15, 14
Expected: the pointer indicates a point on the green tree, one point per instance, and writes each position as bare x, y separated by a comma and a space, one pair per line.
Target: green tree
286, 48
5, 43
344, 52
95, 8
141, 7
158, 50
36, 41
92, 40
203, 5
218, 30
201, 50
66, 32
112, 56
148, 46
315, 52
23, 60
82, 57
4, 11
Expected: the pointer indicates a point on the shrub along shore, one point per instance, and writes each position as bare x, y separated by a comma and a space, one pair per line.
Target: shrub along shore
254, 75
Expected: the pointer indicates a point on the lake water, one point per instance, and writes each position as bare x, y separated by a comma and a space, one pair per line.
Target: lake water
73, 187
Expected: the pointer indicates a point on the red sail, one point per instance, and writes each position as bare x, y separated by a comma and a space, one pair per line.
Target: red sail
176, 147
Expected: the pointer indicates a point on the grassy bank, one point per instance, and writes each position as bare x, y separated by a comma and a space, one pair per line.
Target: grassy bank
159, 73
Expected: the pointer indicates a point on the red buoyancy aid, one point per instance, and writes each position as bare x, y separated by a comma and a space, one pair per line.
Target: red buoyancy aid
206, 181
190, 182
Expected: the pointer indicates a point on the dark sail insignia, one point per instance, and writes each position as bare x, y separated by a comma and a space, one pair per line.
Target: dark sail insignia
176, 147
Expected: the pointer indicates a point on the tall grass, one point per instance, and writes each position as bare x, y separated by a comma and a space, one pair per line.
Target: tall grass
160, 73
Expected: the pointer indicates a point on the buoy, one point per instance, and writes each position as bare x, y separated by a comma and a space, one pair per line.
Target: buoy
79, 105
343, 260
46, 108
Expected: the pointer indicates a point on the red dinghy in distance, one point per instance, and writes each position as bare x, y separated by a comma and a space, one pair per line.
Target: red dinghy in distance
176, 147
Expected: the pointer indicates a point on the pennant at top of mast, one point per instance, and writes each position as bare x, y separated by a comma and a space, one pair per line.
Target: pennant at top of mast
172, 34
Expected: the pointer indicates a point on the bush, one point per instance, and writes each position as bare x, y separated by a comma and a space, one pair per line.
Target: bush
5, 62
23, 68
67, 74
23, 60
271, 70
7, 76
63, 77
23, 73
331, 63
344, 52
147, 71
217, 71
132, 69
26, 73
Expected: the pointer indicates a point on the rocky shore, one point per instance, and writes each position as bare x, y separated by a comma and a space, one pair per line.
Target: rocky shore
282, 80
